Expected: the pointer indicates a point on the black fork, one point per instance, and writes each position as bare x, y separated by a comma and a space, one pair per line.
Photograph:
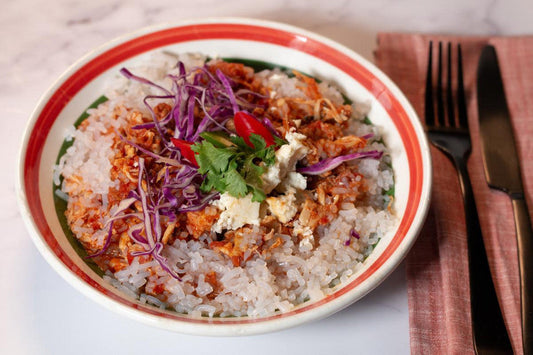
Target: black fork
450, 133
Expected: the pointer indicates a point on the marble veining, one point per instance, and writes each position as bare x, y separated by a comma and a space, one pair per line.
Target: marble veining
40, 39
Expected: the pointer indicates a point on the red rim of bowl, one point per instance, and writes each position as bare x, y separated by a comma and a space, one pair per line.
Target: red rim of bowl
240, 31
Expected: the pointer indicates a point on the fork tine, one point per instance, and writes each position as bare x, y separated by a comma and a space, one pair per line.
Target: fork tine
449, 91
440, 99
429, 115
461, 97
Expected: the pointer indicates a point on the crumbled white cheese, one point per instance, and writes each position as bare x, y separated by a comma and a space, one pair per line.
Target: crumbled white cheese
236, 212
286, 158
293, 180
288, 154
283, 207
271, 178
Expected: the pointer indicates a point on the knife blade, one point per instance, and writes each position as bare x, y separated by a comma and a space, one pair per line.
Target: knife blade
502, 172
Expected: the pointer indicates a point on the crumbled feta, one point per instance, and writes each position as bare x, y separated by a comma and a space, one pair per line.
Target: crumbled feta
286, 158
288, 154
236, 212
293, 180
271, 178
283, 207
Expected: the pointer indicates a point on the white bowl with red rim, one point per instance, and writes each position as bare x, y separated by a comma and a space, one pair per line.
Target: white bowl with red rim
253, 39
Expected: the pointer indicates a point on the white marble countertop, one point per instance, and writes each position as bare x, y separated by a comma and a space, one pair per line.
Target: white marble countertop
40, 313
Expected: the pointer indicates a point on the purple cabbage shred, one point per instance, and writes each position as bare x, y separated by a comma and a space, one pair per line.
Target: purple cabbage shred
331, 163
178, 191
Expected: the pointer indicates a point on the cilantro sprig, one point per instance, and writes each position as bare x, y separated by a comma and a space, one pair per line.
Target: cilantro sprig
230, 165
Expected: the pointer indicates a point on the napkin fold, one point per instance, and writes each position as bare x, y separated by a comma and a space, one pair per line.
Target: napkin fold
437, 266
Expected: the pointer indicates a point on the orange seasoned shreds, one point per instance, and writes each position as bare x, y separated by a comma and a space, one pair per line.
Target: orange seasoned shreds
286, 112
226, 248
327, 140
275, 244
289, 112
136, 248
162, 109
322, 148
344, 184
211, 278
124, 170
90, 218
168, 233
155, 286
314, 214
233, 70
235, 245
200, 222
243, 76
322, 130
326, 110
117, 264
309, 87
124, 164
146, 138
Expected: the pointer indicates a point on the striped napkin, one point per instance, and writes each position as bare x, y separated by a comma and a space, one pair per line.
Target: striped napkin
437, 266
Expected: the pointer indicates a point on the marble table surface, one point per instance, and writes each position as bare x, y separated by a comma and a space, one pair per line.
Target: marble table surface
40, 313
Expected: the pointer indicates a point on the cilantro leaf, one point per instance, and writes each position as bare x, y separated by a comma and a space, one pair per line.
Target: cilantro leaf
279, 141
239, 141
258, 195
234, 167
252, 172
210, 158
257, 141
235, 184
268, 155
213, 182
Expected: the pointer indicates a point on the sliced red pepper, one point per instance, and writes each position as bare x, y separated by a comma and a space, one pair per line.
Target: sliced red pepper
185, 149
245, 125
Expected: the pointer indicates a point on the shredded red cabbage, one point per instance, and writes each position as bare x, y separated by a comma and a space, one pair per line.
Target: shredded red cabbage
353, 234
179, 192
130, 76
106, 244
331, 163
153, 206
214, 95
117, 214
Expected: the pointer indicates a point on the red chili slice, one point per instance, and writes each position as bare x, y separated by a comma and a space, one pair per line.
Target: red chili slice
246, 124
185, 149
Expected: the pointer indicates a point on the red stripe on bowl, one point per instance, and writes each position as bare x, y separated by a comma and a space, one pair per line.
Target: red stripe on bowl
96, 66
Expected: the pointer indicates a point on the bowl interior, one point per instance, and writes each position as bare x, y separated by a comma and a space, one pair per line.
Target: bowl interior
277, 44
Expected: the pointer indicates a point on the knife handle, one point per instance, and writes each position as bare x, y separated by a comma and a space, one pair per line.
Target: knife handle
524, 235
488, 327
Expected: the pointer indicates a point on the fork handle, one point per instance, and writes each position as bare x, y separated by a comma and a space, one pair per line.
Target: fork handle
488, 327
524, 235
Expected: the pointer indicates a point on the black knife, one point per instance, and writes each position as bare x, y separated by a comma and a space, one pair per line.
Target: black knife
502, 171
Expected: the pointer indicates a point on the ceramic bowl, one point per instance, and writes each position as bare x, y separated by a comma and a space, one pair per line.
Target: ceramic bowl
276, 43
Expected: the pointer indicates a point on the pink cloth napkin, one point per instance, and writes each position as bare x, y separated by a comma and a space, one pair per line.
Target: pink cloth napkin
437, 266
